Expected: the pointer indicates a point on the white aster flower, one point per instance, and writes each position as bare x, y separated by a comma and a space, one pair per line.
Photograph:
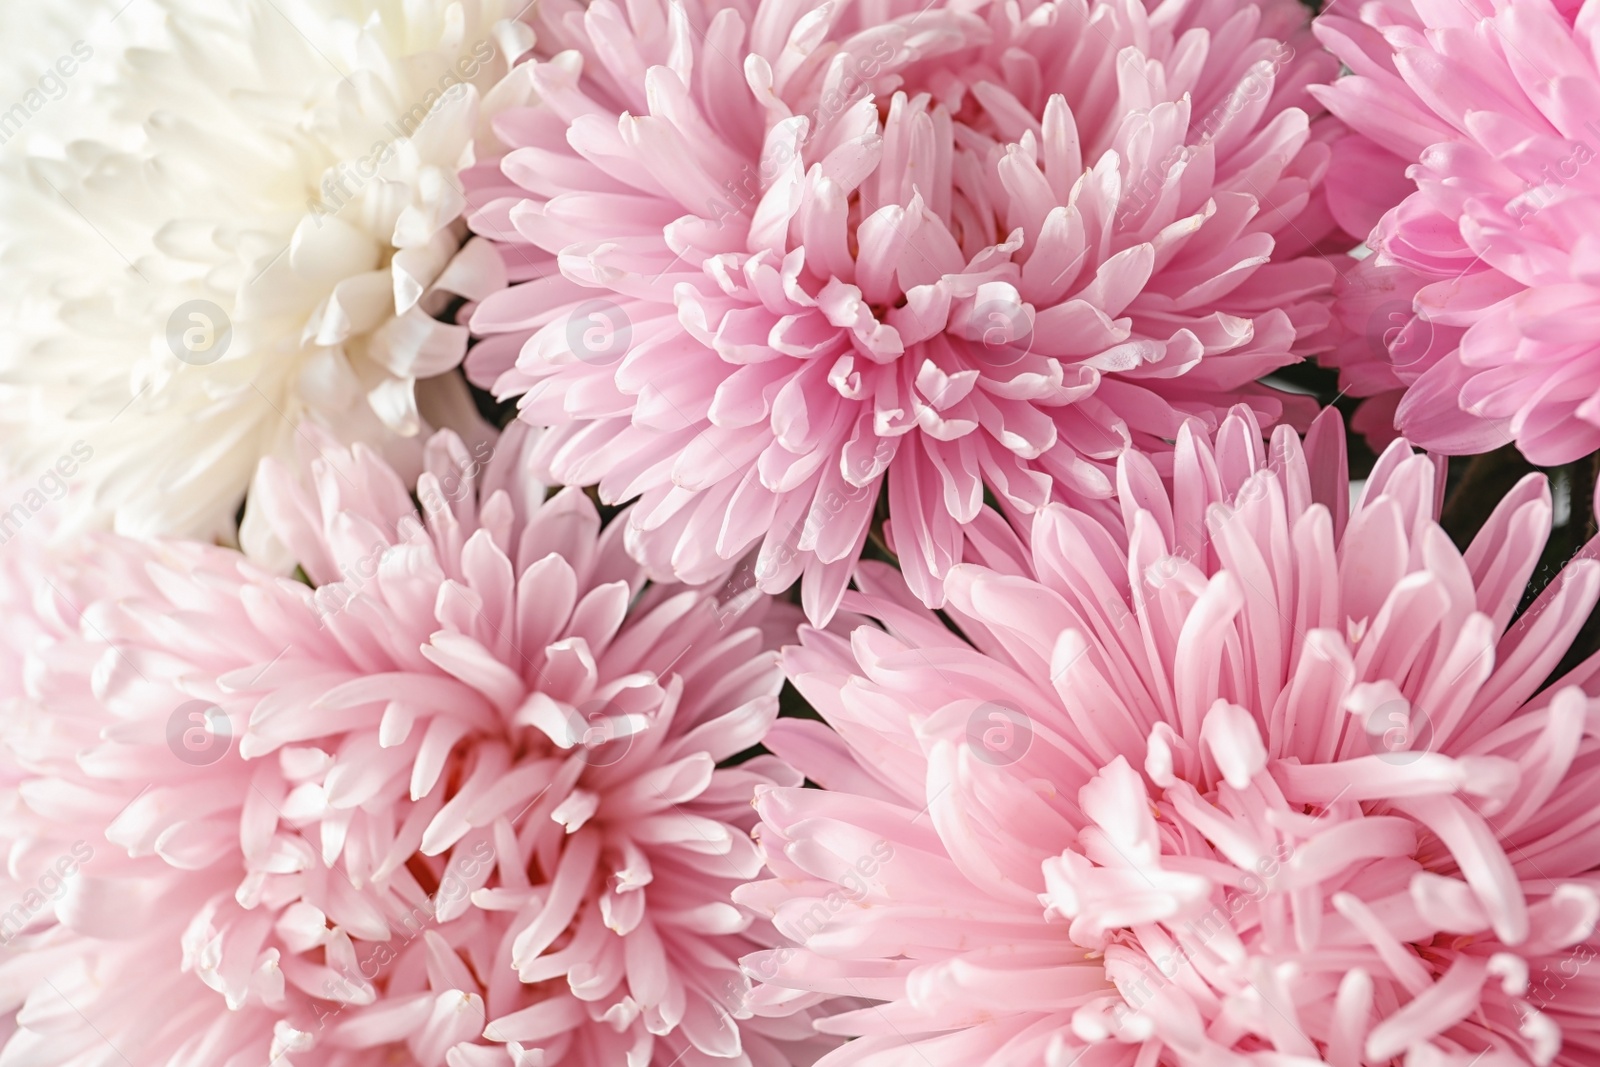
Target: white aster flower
257, 225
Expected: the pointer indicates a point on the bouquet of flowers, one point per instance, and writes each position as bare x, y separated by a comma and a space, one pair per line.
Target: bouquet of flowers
894, 533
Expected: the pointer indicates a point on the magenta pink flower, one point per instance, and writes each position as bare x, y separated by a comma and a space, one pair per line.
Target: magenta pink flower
775, 254
460, 804
1234, 781
1478, 127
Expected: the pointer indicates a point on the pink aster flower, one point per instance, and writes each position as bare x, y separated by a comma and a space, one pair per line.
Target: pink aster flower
1478, 127
774, 255
1236, 780
459, 804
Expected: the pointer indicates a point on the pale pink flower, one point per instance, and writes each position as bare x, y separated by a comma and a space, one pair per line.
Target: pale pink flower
1473, 165
461, 804
1234, 781
774, 254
